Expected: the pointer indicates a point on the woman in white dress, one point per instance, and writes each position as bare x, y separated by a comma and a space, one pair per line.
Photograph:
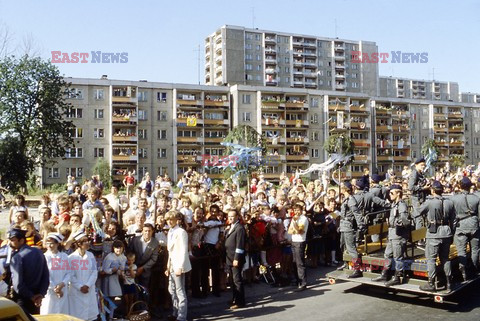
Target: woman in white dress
82, 297
56, 299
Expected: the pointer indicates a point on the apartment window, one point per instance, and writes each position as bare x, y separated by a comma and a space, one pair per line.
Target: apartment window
467, 154
161, 153
247, 116
413, 139
475, 140
74, 171
287, 60
414, 154
142, 134
53, 172
424, 111
246, 98
76, 132
162, 170
320, 82
99, 94
142, 114
98, 133
354, 66
142, 153
248, 46
98, 114
477, 155
161, 115
142, 171
248, 77
74, 152
142, 96
287, 79
74, 112
259, 67
287, 69
424, 125
75, 93
315, 136
329, 83
314, 118
354, 75
248, 67
313, 102
466, 141
257, 36
99, 152
162, 134
258, 77
477, 128
257, 47
248, 36
320, 63
248, 57
315, 153
259, 58
354, 84
162, 97
466, 126
329, 73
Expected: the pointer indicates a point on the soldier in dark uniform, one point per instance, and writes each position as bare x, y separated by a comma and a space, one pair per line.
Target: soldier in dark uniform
418, 185
467, 229
351, 220
398, 234
376, 189
440, 213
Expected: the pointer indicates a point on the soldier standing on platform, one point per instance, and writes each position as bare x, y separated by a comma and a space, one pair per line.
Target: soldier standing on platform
440, 214
351, 220
418, 185
398, 234
467, 229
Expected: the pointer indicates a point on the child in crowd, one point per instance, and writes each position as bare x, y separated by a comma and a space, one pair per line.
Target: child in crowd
129, 288
18, 206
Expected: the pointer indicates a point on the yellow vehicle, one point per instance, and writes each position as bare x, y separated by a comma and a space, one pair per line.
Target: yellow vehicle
11, 311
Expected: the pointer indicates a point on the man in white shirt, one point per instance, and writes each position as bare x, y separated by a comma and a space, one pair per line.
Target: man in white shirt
298, 229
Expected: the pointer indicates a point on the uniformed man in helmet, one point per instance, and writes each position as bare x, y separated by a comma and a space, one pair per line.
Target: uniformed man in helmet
418, 185
398, 234
466, 225
440, 213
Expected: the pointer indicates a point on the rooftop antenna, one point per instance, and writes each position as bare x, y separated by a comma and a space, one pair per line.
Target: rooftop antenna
253, 17
432, 73
336, 28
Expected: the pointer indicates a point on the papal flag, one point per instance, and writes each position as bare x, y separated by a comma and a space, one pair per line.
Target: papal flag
191, 121
340, 119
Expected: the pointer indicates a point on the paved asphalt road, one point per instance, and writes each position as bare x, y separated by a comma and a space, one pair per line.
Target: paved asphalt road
342, 302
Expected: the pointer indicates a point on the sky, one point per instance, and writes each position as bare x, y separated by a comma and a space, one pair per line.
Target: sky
162, 37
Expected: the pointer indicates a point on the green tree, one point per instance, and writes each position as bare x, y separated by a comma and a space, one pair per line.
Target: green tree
102, 168
32, 117
429, 144
457, 161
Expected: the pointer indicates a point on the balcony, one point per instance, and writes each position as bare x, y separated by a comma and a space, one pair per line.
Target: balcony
273, 122
187, 159
340, 76
297, 123
189, 102
298, 83
340, 86
361, 142
271, 61
360, 126
216, 103
272, 40
272, 176
183, 121
216, 121
456, 129
295, 105
406, 144
124, 99
309, 54
400, 128
309, 84
339, 66
271, 82
309, 44
297, 158
310, 64
339, 47
336, 107
361, 158
124, 158
457, 144
270, 71
189, 140
360, 108
383, 158
213, 139
279, 140
298, 140
129, 139
310, 74
383, 128
339, 58
438, 129
401, 158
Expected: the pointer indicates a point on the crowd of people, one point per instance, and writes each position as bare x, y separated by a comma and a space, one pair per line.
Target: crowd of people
99, 247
